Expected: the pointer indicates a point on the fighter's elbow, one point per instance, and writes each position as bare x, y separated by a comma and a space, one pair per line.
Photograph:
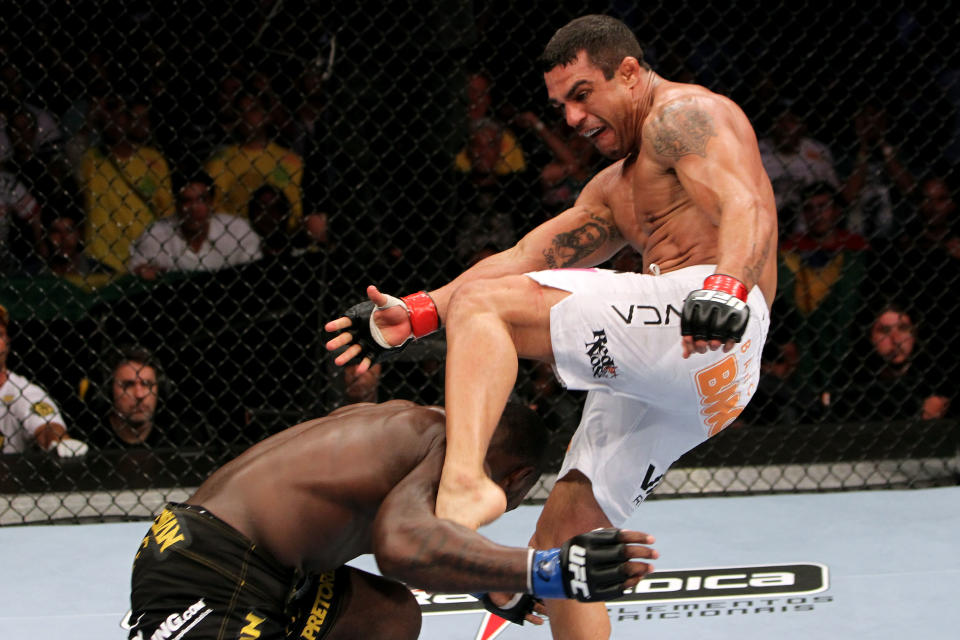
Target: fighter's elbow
399, 554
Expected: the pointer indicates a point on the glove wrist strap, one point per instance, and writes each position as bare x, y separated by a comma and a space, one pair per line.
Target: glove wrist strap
546, 574
726, 284
424, 317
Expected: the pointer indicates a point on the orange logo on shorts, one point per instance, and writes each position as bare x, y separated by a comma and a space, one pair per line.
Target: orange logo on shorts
717, 386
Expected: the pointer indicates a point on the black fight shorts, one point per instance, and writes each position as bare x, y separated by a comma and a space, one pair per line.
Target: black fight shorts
197, 578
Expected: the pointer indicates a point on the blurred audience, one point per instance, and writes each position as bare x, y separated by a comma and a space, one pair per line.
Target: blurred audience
794, 161
879, 181
254, 160
270, 214
926, 259
21, 227
46, 173
822, 277
14, 91
126, 185
64, 257
196, 238
574, 161
28, 415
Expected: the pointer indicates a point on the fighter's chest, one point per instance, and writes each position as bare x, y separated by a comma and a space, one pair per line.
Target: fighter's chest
645, 196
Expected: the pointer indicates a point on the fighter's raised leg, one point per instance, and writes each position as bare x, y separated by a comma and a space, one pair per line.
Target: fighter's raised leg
489, 324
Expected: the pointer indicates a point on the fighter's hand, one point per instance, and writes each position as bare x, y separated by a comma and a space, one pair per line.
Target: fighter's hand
514, 607
594, 566
382, 327
714, 316
391, 321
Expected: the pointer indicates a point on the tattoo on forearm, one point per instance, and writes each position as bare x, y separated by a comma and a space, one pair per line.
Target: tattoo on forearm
570, 247
682, 129
440, 551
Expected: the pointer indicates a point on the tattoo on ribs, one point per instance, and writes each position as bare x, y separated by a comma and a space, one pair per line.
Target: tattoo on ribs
570, 247
681, 130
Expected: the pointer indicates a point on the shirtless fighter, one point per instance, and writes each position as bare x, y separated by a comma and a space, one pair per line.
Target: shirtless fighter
259, 550
689, 192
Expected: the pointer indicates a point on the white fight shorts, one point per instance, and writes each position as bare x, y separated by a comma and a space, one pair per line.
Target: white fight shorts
618, 336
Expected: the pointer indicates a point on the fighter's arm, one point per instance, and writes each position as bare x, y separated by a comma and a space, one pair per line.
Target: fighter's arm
583, 236
414, 546
712, 149
716, 159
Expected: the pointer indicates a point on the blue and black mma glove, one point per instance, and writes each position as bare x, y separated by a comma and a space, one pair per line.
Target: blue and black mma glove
718, 311
588, 567
424, 320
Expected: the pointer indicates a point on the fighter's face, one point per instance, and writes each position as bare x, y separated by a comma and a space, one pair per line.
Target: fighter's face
595, 107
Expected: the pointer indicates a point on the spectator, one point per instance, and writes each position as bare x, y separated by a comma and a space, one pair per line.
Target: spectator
878, 182
509, 157
892, 378
270, 214
821, 277
492, 201
794, 161
64, 257
14, 91
19, 210
195, 239
238, 170
134, 384
47, 173
927, 261
27, 412
126, 188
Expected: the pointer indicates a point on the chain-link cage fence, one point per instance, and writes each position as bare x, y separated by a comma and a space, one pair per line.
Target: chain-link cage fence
396, 143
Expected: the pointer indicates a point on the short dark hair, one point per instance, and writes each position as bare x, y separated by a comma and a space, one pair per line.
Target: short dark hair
133, 353
521, 433
181, 180
607, 41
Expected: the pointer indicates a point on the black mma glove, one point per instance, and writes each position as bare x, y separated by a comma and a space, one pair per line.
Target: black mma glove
515, 611
424, 320
718, 311
588, 567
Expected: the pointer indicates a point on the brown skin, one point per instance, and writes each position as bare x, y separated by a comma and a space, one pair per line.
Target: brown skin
326, 491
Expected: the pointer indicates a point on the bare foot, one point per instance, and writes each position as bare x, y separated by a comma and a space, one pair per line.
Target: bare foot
472, 503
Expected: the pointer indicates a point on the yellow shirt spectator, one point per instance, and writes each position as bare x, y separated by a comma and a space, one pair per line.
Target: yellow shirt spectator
238, 171
511, 157
123, 197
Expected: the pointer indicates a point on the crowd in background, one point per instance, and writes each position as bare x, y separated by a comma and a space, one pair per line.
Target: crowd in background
206, 143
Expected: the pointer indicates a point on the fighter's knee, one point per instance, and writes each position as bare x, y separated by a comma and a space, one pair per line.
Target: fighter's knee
494, 294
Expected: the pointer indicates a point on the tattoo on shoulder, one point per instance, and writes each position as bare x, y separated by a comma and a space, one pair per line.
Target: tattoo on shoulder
570, 247
682, 129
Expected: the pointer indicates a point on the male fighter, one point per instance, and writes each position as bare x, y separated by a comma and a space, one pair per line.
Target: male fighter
689, 192
259, 550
